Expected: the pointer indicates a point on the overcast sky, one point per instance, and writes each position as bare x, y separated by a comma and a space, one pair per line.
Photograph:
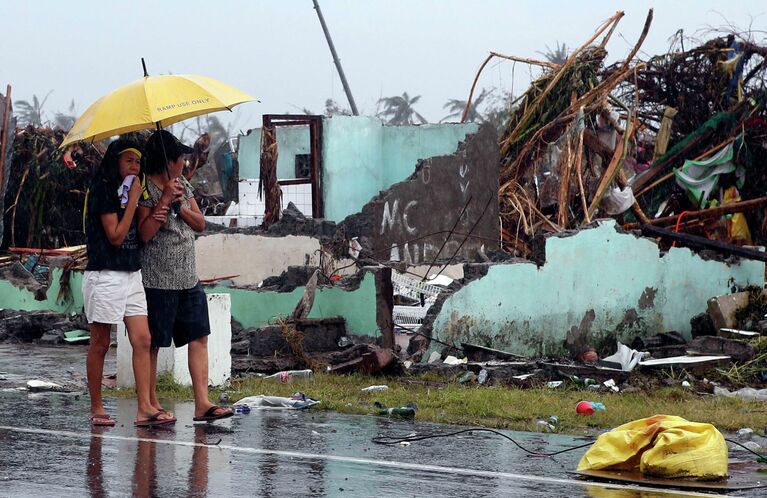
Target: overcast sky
275, 49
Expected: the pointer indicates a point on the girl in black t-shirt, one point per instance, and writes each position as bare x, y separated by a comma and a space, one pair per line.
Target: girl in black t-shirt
112, 285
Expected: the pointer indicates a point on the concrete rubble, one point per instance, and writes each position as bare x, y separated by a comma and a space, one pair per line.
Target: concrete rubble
434, 241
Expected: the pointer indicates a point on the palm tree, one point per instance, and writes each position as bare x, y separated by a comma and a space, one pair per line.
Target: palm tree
333, 109
65, 121
31, 113
398, 110
498, 109
457, 107
558, 55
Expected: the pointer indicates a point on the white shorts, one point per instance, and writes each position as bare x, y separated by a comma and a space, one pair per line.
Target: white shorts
109, 296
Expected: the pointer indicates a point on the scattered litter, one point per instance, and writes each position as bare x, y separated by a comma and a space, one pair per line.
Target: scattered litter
553, 384
686, 383
288, 375
745, 434
244, 409
407, 364
434, 357
452, 360
467, 377
527, 376
223, 398
482, 377
404, 444
406, 412
687, 360
610, 383
345, 342
77, 336
624, 358
298, 401
662, 446
550, 425
744, 393
374, 388
42, 385
587, 408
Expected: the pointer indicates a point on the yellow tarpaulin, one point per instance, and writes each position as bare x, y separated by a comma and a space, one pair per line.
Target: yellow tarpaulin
662, 446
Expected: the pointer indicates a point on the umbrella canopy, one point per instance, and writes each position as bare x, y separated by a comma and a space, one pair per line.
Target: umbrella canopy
152, 101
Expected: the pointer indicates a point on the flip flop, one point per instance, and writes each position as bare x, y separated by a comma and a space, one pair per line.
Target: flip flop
210, 415
102, 420
155, 421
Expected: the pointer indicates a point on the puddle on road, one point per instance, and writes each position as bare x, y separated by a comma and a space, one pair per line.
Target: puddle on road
63, 365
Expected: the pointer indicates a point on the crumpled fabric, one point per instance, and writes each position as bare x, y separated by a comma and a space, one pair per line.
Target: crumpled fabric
662, 446
618, 201
701, 178
298, 401
124, 188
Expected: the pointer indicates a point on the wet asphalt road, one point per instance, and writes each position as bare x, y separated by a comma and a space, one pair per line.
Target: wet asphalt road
47, 448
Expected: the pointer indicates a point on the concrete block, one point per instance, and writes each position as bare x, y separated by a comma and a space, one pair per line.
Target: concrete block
712, 345
722, 309
174, 359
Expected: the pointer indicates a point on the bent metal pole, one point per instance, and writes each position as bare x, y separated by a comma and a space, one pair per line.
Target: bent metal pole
336, 60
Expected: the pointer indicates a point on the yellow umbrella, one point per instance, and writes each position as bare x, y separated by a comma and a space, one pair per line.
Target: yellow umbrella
154, 101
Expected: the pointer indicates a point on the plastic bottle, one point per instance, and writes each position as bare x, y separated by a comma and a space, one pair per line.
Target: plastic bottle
289, 375
374, 388
404, 412
241, 409
482, 377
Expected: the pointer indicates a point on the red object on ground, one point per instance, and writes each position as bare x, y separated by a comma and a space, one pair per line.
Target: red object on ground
584, 408
589, 356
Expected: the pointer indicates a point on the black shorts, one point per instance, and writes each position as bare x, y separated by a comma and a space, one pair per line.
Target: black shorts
181, 315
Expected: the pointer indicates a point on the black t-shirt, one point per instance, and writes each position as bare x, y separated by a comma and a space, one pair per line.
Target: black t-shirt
102, 255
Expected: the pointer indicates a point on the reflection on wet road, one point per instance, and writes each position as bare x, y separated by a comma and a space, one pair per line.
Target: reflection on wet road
47, 448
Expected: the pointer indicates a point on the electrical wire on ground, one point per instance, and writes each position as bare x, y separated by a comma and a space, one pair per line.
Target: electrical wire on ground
389, 440
746, 448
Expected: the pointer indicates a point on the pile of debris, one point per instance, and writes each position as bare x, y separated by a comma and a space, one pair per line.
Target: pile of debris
46, 189
589, 140
45, 194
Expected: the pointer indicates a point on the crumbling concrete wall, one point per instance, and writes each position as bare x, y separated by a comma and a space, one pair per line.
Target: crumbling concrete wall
362, 303
15, 296
361, 156
596, 286
411, 220
252, 257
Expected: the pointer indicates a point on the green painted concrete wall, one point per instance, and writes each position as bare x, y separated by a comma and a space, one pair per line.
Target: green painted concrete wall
251, 308
361, 157
15, 298
403, 146
631, 289
291, 140
254, 308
